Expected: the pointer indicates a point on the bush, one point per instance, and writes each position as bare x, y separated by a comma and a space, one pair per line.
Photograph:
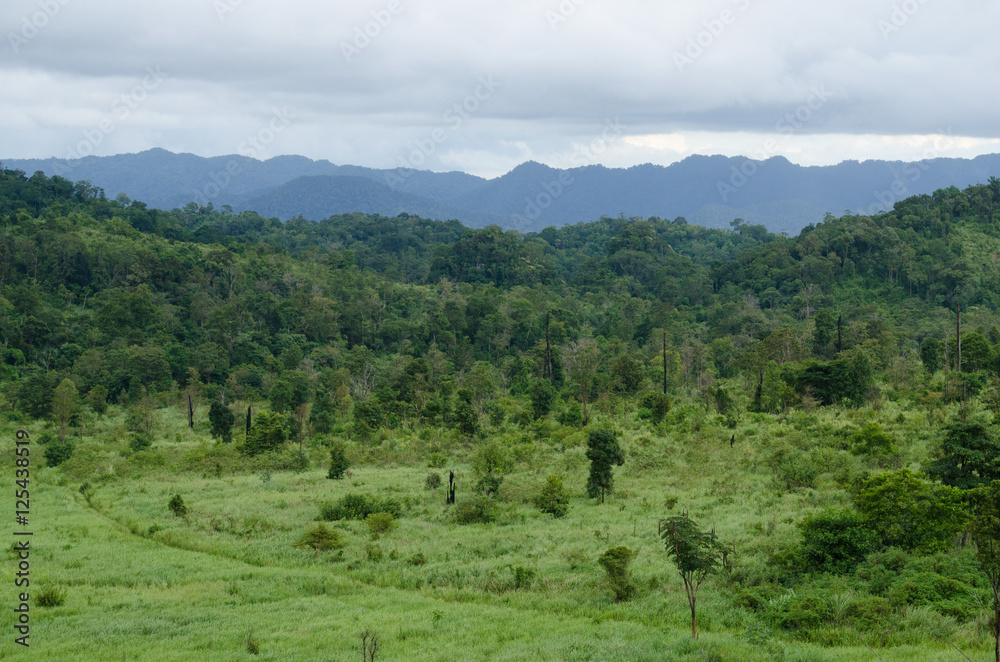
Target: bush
57, 453
836, 541
433, 481
177, 506
572, 415
359, 507
379, 523
339, 464
615, 562
553, 499
319, 538
50, 597
871, 440
140, 442
477, 510
654, 407
418, 559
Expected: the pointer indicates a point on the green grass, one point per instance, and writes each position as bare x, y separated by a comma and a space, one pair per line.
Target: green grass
142, 584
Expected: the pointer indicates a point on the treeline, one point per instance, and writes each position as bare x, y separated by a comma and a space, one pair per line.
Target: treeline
366, 321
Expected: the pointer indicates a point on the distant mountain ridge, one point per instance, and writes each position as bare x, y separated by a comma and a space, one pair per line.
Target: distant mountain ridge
708, 190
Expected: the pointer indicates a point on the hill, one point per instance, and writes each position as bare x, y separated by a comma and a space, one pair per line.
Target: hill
707, 190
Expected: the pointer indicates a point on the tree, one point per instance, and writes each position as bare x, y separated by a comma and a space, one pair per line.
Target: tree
542, 397
969, 454
319, 538
553, 499
142, 417
904, 510
836, 540
65, 402
581, 361
604, 454
267, 434
97, 398
626, 374
986, 538
466, 414
222, 420
177, 506
339, 464
823, 333
696, 553
491, 462
615, 562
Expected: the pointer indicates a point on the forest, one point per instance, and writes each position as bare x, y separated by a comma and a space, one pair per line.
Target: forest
629, 438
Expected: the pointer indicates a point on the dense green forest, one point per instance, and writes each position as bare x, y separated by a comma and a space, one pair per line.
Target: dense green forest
806, 396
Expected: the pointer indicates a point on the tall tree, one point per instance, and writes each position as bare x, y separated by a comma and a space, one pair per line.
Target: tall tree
696, 553
604, 454
221, 419
581, 362
986, 538
65, 402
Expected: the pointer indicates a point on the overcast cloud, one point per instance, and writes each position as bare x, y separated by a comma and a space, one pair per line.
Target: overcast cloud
482, 86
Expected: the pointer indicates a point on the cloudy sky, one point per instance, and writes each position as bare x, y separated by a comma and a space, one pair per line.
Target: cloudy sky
483, 85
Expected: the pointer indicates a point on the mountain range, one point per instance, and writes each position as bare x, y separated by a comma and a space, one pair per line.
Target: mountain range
707, 190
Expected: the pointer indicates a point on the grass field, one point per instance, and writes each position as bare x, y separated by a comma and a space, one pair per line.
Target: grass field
142, 584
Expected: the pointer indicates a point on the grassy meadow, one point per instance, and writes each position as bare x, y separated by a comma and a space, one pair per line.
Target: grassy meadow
225, 582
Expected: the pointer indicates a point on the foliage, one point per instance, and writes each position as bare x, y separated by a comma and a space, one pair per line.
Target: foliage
542, 398
65, 402
553, 498
604, 454
871, 440
696, 553
836, 540
491, 462
177, 506
380, 523
267, 434
615, 562
58, 452
222, 419
50, 597
986, 536
358, 507
476, 510
904, 510
339, 464
319, 538
433, 481
969, 454
140, 442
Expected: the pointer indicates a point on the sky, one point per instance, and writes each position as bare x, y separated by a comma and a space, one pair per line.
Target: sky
484, 85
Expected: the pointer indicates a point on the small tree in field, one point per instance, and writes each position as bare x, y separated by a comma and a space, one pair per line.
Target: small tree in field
604, 453
339, 464
222, 420
696, 553
986, 537
320, 538
65, 402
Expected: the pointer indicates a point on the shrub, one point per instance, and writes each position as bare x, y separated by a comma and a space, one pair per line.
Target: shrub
491, 462
654, 407
177, 506
871, 440
140, 442
477, 510
319, 538
57, 453
433, 481
523, 577
418, 559
836, 540
572, 415
50, 597
553, 499
358, 507
615, 562
339, 464
379, 523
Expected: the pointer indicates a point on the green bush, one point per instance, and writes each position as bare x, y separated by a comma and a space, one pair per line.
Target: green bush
477, 510
50, 597
177, 506
836, 541
339, 464
380, 523
654, 407
433, 481
615, 562
553, 499
358, 507
140, 442
57, 453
